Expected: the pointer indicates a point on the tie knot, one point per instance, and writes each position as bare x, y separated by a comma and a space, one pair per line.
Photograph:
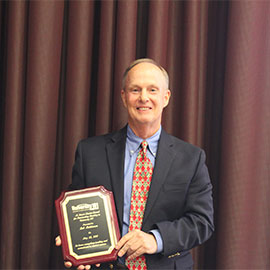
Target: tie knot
144, 145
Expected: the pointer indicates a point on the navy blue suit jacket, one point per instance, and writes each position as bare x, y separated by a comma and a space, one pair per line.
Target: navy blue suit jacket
179, 204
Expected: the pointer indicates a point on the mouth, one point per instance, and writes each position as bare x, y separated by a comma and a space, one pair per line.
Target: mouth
144, 108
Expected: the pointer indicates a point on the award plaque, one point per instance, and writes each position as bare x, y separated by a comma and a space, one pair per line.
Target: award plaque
88, 225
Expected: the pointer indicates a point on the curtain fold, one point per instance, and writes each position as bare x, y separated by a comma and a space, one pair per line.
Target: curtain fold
158, 31
60, 80
41, 108
244, 197
194, 70
105, 67
174, 67
39, 134
13, 136
77, 80
125, 52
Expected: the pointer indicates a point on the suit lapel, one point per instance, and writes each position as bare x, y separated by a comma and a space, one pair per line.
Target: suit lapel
116, 155
165, 156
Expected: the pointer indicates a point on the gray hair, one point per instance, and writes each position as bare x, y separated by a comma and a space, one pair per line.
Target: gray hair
144, 60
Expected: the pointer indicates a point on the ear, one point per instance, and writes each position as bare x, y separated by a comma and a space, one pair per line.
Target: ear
167, 96
123, 96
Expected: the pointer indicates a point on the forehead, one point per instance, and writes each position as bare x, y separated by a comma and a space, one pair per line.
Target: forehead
145, 73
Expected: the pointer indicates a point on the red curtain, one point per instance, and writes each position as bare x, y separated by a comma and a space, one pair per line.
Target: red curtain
244, 186
61, 66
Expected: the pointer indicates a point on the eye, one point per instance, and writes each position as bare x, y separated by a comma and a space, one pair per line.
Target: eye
153, 90
135, 90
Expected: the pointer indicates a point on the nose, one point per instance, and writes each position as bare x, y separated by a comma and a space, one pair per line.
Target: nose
144, 96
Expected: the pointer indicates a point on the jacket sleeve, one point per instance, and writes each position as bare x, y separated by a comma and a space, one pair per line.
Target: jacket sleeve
196, 224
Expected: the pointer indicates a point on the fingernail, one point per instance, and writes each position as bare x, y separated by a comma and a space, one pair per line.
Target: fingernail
120, 254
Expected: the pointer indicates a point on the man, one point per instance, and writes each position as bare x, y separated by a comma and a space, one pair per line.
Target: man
178, 209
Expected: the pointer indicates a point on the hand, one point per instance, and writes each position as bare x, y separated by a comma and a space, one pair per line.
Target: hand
136, 243
68, 264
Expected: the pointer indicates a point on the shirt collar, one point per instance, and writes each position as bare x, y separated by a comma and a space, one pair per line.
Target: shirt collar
134, 142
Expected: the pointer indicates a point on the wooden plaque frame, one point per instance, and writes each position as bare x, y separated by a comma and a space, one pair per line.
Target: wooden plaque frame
88, 225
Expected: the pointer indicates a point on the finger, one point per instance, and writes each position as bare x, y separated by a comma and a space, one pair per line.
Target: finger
122, 241
143, 241
124, 249
58, 241
122, 252
98, 265
134, 247
130, 246
139, 244
68, 264
126, 238
135, 254
87, 267
80, 267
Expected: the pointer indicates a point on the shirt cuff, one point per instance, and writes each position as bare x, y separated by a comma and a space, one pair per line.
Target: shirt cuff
159, 240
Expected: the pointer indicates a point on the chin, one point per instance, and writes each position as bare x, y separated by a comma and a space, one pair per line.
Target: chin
144, 120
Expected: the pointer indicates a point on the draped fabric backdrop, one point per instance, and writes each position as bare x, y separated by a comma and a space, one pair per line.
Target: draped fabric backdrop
61, 66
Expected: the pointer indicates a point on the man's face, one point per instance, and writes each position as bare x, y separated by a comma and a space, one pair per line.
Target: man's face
145, 96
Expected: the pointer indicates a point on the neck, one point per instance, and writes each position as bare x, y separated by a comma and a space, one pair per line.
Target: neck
144, 132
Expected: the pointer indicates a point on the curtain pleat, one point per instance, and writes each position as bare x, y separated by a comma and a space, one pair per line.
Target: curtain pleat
174, 67
125, 52
77, 80
105, 67
41, 108
244, 188
158, 31
13, 136
194, 63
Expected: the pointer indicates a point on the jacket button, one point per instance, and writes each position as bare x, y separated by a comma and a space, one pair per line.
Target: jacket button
176, 254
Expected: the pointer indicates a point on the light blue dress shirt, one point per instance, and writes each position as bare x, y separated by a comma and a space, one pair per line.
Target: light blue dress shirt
133, 143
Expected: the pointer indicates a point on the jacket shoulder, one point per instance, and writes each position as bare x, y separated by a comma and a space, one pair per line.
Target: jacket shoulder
180, 145
100, 140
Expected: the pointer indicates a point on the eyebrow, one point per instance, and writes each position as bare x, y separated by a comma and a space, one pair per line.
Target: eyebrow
137, 86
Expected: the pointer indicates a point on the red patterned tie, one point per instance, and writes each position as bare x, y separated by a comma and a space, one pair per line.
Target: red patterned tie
141, 183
